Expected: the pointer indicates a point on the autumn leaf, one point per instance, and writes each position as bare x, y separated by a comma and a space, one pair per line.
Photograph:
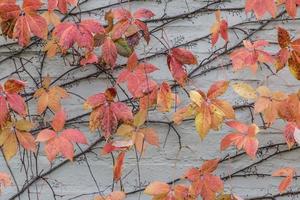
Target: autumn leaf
243, 138
62, 5
288, 54
157, 189
27, 21
165, 98
250, 55
5, 181
139, 135
14, 133
289, 131
220, 27
289, 109
51, 18
119, 166
136, 76
56, 142
116, 195
268, 103
290, 6
289, 173
244, 90
106, 113
49, 97
260, 7
109, 52
177, 60
203, 181
82, 34
89, 58
11, 100
126, 22
209, 111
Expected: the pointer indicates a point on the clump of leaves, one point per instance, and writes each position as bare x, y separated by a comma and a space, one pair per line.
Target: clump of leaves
22, 23
289, 53
260, 7
203, 182
250, 55
209, 111
177, 59
63, 142
10, 100
106, 113
15, 133
243, 138
49, 97
139, 134
136, 76
220, 27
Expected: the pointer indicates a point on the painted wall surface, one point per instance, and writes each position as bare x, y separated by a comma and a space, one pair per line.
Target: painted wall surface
179, 22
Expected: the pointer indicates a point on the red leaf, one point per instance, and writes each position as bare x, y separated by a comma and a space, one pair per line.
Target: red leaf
45, 135
17, 103
178, 71
52, 148
219, 27
66, 147
109, 52
74, 135
89, 58
121, 14
184, 56
59, 119
260, 7
251, 55
61, 5
288, 133
119, 166
143, 13
245, 138
122, 111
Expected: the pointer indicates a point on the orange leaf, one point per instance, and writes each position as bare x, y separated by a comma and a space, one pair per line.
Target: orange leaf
119, 166
157, 189
289, 173
283, 37
217, 89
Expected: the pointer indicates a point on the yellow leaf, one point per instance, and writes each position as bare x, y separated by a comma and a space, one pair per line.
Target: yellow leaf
244, 90
24, 125
10, 147
196, 97
203, 121
125, 130
140, 118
